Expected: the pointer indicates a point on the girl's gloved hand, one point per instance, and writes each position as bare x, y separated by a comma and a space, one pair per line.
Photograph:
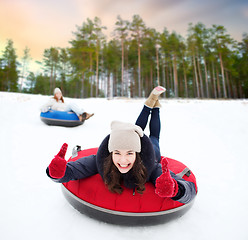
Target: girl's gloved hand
165, 185
57, 166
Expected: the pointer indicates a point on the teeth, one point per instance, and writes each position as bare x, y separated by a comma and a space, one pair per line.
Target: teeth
123, 166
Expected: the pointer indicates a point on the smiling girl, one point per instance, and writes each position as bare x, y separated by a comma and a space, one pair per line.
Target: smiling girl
127, 157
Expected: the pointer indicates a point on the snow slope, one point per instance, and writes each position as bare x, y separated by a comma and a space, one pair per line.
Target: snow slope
209, 136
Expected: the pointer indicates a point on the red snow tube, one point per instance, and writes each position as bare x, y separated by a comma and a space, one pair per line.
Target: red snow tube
90, 196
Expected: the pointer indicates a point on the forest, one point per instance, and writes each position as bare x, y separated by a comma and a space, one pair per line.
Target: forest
207, 64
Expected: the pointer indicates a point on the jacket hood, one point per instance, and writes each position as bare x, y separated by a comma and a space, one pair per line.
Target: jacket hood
147, 155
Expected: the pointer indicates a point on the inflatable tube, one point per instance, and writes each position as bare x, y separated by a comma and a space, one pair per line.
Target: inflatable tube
90, 196
59, 118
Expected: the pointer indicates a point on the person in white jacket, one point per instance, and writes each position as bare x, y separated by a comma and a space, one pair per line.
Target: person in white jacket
57, 103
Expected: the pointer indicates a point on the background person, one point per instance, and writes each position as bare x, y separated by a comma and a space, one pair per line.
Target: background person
57, 103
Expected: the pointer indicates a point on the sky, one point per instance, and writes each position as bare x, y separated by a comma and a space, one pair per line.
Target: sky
41, 24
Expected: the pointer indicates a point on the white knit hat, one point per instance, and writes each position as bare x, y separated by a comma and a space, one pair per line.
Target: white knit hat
57, 90
125, 136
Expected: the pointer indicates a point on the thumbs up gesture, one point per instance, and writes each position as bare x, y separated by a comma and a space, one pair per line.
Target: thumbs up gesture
57, 166
165, 185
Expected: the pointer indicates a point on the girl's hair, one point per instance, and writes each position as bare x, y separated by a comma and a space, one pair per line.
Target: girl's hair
55, 97
113, 177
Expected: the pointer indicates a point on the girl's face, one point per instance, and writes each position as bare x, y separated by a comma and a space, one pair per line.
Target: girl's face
58, 95
123, 159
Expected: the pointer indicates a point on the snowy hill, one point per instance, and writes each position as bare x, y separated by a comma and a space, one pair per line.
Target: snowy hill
209, 136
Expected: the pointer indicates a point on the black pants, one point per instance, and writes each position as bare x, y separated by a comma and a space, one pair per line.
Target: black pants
154, 126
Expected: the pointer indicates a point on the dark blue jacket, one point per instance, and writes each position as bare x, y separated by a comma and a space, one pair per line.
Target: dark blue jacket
93, 164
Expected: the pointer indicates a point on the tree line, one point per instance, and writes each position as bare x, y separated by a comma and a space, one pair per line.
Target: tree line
208, 63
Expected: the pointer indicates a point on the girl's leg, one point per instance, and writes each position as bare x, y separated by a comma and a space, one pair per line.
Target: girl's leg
152, 106
155, 126
143, 117
74, 107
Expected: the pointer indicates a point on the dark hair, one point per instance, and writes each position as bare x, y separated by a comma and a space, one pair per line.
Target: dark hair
113, 177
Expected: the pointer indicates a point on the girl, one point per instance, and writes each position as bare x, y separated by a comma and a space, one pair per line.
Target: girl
57, 103
128, 157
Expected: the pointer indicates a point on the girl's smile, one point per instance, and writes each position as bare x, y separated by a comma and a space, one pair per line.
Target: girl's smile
123, 159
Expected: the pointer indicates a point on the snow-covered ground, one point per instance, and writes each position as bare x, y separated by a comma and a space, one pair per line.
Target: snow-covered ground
209, 136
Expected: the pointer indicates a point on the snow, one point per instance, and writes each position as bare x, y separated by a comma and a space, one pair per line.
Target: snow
209, 136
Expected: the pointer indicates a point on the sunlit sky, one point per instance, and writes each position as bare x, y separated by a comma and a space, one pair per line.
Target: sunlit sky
41, 24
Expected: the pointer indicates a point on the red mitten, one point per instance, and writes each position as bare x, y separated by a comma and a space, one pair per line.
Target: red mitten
57, 166
166, 186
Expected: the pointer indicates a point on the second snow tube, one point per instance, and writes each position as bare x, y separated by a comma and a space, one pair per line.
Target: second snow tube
60, 118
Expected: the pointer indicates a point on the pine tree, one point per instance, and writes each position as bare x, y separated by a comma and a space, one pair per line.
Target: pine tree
25, 62
51, 64
137, 28
9, 66
122, 30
